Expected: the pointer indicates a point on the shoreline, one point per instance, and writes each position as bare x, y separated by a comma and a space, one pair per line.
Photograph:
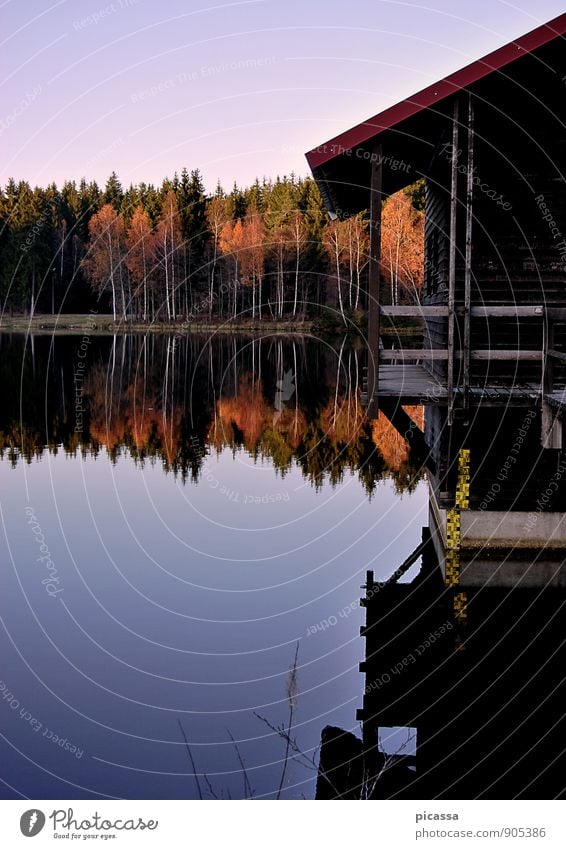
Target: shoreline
104, 325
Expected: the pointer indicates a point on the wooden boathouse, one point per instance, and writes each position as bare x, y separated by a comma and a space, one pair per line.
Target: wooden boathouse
490, 142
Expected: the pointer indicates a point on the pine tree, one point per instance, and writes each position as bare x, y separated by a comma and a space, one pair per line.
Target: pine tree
113, 192
280, 207
90, 200
192, 212
150, 200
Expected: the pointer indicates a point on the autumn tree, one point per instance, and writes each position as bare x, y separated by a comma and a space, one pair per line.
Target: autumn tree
217, 216
103, 261
252, 256
347, 246
141, 254
402, 246
44, 235
231, 244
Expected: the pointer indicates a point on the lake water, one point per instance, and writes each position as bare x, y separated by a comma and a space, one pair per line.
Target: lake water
179, 517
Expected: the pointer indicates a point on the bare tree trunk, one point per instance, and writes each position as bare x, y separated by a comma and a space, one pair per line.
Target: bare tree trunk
297, 256
212, 273
166, 278
144, 281
173, 252
32, 305
280, 283
111, 255
339, 285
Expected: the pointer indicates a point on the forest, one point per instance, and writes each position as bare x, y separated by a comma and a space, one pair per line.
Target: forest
173, 253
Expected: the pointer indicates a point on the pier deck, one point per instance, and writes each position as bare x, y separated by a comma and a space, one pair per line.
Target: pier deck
414, 384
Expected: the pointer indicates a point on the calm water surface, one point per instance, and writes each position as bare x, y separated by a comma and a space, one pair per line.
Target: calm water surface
177, 517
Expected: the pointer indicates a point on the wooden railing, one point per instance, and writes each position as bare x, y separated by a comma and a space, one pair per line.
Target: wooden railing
463, 353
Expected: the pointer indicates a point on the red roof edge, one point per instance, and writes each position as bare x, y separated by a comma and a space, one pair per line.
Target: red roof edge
494, 61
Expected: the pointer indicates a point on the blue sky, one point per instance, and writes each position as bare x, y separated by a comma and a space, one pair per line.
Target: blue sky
237, 89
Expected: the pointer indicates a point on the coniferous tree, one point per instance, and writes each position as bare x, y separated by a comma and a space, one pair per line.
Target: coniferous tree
274, 237
192, 213
113, 192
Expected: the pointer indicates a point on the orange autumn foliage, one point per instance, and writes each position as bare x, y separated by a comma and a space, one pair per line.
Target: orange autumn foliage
130, 419
253, 417
391, 445
402, 247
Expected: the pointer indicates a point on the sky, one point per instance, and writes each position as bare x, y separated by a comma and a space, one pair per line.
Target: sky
237, 89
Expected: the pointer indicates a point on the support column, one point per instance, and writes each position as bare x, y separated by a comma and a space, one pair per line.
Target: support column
468, 266
452, 265
374, 277
551, 422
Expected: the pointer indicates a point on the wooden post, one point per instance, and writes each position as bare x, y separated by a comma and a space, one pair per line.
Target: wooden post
551, 423
374, 277
468, 265
452, 265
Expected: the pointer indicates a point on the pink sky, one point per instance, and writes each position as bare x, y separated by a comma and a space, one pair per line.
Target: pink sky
236, 89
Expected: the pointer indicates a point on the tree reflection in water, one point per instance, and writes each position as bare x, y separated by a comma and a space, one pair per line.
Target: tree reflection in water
171, 400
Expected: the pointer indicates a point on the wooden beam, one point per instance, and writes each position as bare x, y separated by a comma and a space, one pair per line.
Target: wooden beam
557, 399
374, 279
413, 435
485, 311
388, 354
556, 355
398, 573
452, 264
414, 310
468, 256
501, 354
488, 311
